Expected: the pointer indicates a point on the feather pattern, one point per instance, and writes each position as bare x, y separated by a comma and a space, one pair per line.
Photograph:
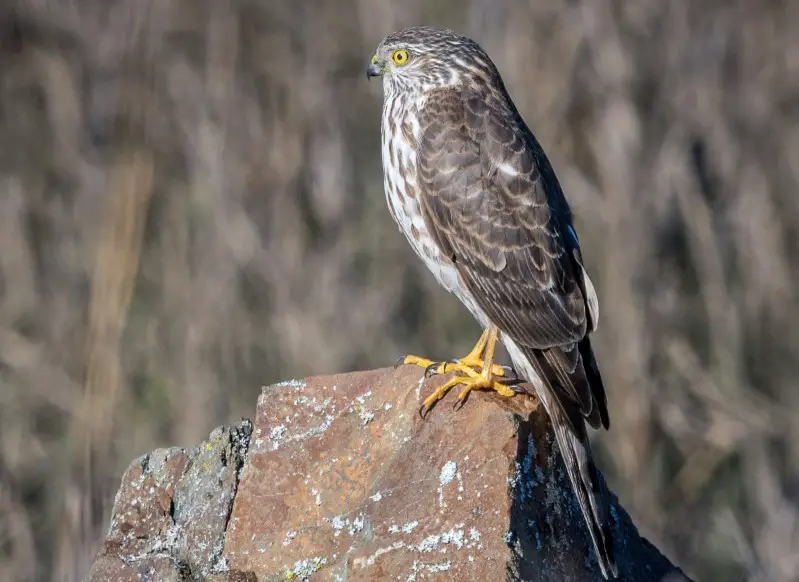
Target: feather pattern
491, 202
477, 198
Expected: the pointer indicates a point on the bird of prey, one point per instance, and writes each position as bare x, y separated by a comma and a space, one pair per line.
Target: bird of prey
472, 190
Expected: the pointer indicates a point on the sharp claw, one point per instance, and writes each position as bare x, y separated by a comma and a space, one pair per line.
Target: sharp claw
430, 370
400, 361
423, 410
508, 381
519, 389
509, 378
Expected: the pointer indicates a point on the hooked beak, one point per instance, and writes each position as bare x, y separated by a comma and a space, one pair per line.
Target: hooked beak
374, 69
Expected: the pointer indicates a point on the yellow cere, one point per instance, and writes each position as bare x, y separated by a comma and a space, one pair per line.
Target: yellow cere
374, 59
400, 56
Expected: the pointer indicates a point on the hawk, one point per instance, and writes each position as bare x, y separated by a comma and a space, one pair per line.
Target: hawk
472, 190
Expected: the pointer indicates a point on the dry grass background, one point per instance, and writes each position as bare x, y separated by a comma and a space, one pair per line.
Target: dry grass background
191, 207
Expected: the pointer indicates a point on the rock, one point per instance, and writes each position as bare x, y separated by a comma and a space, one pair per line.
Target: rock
342, 480
171, 511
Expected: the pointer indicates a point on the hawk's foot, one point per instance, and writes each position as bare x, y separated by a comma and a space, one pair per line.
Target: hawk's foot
471, 364
433, 368
472, 381
476, 370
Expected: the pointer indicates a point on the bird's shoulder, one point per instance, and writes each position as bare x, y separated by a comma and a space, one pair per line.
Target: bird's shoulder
479, 128
477, 166
495, 207
480, 112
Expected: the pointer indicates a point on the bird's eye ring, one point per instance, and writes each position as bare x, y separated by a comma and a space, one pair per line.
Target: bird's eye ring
400, 56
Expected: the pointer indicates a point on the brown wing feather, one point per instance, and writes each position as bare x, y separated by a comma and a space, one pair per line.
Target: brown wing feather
493, 206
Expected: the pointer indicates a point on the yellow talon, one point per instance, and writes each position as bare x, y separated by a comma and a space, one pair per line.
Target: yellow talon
464, 365
473, 361
424, 363
476, 370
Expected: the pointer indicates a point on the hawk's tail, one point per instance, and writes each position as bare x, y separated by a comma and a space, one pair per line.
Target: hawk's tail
568, 424
591, 492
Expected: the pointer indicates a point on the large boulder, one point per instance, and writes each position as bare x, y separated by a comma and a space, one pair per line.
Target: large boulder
338, 478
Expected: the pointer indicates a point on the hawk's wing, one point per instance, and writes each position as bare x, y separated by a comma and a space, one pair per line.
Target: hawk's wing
493, 205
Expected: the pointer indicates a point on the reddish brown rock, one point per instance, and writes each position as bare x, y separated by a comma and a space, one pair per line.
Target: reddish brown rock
345, 479
341, 480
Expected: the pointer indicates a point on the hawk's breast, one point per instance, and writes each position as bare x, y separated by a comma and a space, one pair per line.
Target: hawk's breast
401, 133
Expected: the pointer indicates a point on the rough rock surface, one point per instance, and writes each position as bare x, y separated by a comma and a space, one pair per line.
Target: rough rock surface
171, 512
342, 480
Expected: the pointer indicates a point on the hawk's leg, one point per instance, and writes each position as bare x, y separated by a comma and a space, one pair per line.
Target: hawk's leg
471, 364
477, 371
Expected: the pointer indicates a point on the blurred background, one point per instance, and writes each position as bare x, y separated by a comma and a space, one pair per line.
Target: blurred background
191, 207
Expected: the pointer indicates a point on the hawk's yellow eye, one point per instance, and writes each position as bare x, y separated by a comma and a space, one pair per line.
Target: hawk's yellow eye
400, 56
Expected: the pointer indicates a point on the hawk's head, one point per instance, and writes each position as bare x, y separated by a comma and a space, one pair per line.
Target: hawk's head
424, 58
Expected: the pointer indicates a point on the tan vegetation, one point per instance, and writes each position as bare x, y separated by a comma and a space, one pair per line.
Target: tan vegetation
191, 206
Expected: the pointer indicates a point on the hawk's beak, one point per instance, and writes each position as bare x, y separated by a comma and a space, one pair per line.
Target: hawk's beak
374, 69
